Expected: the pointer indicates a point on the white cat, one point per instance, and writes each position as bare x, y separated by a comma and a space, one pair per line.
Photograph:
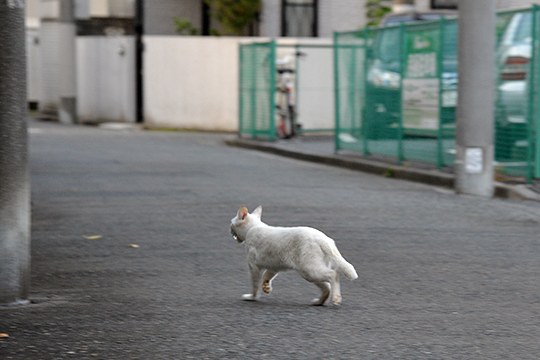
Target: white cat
273, 249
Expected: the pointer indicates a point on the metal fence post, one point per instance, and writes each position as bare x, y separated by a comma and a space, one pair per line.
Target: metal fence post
271, 92
365, 143
240, 89
352, 88
532, 111
14, 178
337, 145
253, 92
440, 61
403, 52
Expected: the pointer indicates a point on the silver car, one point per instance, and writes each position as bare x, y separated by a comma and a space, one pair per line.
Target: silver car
514, 55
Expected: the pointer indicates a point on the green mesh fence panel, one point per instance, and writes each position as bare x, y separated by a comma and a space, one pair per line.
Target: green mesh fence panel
349, 74
533, 170
257, 88
448, 92
420, 92
517, 109
382, 107
396, 92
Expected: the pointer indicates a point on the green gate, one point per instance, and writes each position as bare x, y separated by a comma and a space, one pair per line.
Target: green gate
270, 87
257, 70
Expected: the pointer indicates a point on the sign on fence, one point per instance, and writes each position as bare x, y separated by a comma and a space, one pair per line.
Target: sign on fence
420, 88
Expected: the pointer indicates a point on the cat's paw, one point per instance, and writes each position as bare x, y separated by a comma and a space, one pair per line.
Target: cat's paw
336, 300
317, 302
266, 287
248, 297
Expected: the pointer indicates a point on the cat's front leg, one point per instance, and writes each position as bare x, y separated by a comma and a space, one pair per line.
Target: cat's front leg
268, 276
255, 281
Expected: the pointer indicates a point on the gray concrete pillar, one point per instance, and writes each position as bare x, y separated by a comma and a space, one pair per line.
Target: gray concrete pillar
67, 110
474, 128
14, 179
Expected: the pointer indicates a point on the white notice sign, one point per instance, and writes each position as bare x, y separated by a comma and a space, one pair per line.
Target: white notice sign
473, 161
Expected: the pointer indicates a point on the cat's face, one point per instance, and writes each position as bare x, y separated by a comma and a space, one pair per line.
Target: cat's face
243, 220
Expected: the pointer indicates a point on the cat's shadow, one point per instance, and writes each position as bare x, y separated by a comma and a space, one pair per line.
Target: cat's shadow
283, 305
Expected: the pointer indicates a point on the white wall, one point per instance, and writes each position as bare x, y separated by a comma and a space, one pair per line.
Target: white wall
191, 82
106, 78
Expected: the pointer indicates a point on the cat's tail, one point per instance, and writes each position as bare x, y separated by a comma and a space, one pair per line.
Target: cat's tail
347, 269
342, 265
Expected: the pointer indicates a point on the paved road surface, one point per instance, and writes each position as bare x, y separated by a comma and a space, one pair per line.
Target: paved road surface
441, 276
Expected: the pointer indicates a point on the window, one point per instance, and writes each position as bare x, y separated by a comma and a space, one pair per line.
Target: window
444, 4
299, 18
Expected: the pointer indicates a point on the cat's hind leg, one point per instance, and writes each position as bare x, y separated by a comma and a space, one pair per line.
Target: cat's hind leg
255, 280
336, 291
325, 292
324, 278
268, 276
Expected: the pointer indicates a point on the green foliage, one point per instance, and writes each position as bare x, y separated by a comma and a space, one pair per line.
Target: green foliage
376, 10
184, 27
389, 173
235, 15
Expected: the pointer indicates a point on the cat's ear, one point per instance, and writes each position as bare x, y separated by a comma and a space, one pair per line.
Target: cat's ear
258, 212
242, 213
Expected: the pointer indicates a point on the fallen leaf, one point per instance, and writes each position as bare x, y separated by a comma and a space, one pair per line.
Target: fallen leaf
4, 335
92, 237
134, 246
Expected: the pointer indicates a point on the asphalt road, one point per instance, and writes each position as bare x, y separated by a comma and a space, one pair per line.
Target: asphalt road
132, 258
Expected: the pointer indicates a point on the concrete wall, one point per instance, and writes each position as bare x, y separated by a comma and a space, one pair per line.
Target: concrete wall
158, 15
106, 78
340, 15
191, 82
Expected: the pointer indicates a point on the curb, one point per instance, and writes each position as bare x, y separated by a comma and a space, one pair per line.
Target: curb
430, 177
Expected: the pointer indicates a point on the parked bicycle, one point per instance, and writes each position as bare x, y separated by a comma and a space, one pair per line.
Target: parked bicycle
287, 126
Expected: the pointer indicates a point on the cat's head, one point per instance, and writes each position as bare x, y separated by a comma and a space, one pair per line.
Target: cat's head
243, 221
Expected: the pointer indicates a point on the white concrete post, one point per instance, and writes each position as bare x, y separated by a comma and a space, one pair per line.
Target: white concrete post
474, 128
67, 111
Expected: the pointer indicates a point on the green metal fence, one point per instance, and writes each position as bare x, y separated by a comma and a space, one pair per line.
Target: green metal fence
257, 88
517, 129
402, 105
273, 77
396, 92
